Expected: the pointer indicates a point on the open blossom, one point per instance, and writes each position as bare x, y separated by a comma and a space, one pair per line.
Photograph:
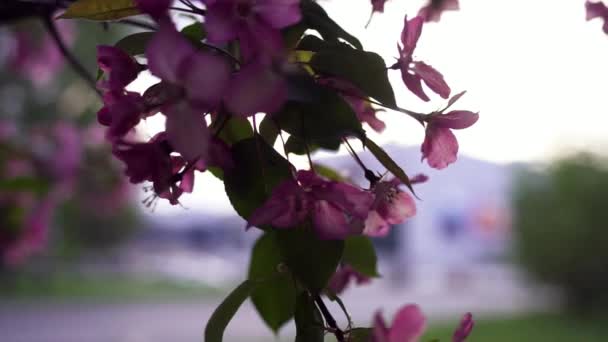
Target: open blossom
256, 23
435, 8
414, 72
408, 326
597, 10
337, 209
202, 75
121, 112
344, 275
440, 146
120, 68
155, 8
391, 206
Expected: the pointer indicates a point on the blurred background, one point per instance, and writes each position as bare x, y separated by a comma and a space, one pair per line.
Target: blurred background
514, 232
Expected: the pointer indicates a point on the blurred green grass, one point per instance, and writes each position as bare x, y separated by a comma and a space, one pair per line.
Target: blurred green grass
530, 328
65, 286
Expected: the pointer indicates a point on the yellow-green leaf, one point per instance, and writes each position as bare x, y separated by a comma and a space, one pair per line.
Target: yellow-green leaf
101, 9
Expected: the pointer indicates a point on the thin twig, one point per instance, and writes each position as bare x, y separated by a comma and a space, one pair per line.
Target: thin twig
329, 319
74, 62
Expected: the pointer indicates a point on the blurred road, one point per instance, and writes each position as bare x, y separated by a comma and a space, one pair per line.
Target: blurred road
183, 321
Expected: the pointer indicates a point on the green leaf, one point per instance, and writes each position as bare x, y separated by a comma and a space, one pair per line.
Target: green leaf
388, 162
323, 122
359, 252
329, 173
292, 34
214, 331
360, 335
258, 169
366, 70
27, 184
312, 260
135, 44
269, 130
297, 146
100, 9
311, 43
315, 17
195, 32
275, 298
235, 129
309, 321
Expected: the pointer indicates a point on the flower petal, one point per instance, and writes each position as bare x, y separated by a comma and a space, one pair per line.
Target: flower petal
279, 13
457, 119
414, 84
256, 88
432, 78
329, 221
408, 325
187, 132
412, 30
440, 147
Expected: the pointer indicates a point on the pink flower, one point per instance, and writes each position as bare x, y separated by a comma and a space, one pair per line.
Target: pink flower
202, 75
121, 113
256, 23
464, 329
391, 206
343, 276
378, 6
337, 209
408, 326
155, 8
256, 88
440, 146
121, 68
414, 72
435, 8
356, 99
597, 10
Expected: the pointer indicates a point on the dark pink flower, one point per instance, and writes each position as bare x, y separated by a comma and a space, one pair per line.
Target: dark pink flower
408, 326
440, 146
202, 75
150, 161
597, 10
256, 88
435, 8
155, 8
378, 5
121, 113
344, 275
464, 329
256, 23
337, 209
356, 99
120, 68
187, 131
391, 206
414, 72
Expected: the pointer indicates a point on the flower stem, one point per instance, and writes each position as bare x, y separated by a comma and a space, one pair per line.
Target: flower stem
329, 319
74, 62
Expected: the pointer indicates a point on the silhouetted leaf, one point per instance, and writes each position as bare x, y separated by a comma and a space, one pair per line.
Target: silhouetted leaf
135, 44
214, 331
365, 70
309, 322
312, 260
359, 252
315, 17
275, 298
388, 162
